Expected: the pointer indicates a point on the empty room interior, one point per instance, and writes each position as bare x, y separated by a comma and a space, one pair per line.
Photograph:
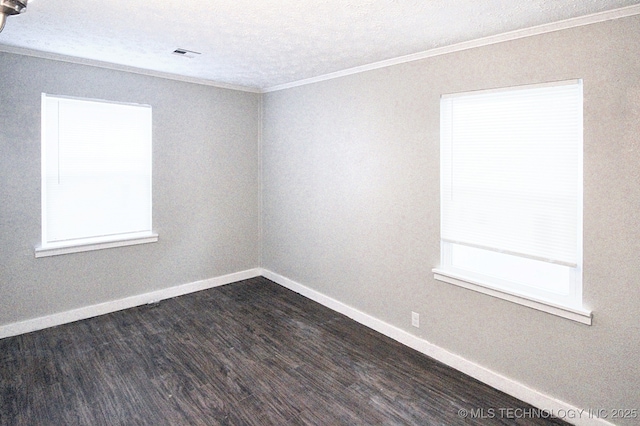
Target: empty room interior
342, 218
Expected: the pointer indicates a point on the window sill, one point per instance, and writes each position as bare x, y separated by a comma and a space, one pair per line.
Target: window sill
575, 314
77, 248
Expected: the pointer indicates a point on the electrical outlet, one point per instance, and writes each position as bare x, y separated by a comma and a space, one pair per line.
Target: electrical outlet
415, 319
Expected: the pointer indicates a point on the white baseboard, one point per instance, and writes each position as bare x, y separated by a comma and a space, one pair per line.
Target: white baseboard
40, 323
491, 378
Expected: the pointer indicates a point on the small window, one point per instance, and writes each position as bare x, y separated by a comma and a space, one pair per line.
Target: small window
96, 175
511, 193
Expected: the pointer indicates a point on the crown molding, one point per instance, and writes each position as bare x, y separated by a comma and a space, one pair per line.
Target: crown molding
125, 68
485, 41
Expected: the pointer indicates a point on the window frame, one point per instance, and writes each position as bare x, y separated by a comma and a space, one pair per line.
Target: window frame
571, 306
48, 247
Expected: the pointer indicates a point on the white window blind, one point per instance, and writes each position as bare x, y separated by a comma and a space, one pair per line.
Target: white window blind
512, 171
511, 193
96, 171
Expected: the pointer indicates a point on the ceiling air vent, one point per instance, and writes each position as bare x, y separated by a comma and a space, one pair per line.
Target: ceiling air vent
186, 53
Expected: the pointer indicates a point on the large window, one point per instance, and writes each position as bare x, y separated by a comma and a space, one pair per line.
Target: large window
96, 175
511, 194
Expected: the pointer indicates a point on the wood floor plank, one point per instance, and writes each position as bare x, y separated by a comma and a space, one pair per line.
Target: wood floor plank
249, 353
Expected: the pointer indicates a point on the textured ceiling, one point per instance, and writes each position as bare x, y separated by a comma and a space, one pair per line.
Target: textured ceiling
262, 44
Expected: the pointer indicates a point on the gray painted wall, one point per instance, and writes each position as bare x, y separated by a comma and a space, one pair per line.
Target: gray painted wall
205, 189
351, 207
350, 201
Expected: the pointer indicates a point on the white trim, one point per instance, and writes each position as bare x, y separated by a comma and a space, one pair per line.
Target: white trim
125, 68
491, 378
485, 375
579, 21
576, 314
502, 89
465, 45
96, 100
85, 312
77, 248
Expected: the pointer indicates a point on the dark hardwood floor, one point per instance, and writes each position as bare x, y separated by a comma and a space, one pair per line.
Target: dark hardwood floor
249, 353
